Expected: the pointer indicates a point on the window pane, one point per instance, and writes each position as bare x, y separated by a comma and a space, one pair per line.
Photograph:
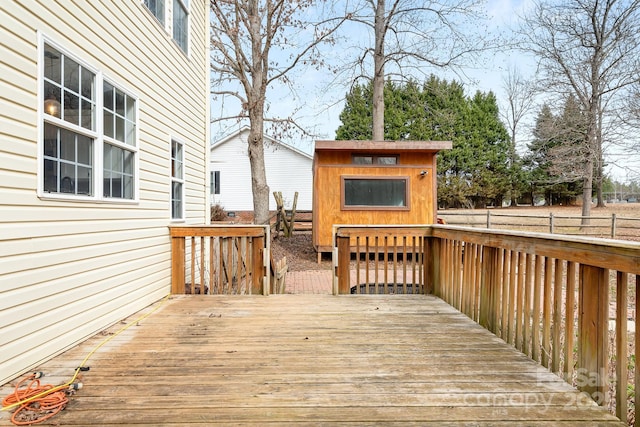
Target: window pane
119, 102
71, 106
85, 150
127, 187
71, 75
86, 119
130, 136
176, 200
68, 181
375, 192
68, 161
67, 145
85, 180
391, 160
180, 23
157, 9
128, 162
130, 109
119, 129
50, 140
52, 64
108, 96
176, 160
52, 98
50, 176
108, 124
87, 84
362, 160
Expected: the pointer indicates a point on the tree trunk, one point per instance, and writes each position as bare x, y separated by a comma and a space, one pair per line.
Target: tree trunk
255, 98
258, 174
378, 76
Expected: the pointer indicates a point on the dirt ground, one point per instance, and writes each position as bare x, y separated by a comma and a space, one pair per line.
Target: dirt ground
301, 256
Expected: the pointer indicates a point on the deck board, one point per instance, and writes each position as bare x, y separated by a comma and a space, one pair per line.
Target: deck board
313, 360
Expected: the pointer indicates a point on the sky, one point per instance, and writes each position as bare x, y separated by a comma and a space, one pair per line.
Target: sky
317, 103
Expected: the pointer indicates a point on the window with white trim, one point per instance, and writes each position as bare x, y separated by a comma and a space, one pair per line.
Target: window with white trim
156, 7
181, 23
177, 180
74, 110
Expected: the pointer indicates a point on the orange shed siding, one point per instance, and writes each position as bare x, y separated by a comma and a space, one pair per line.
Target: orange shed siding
331, 165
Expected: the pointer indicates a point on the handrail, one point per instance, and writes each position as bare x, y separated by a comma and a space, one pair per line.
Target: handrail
544, 294
220, 259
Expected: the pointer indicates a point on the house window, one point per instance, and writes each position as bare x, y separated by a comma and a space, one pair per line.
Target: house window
119, 115
359, 159
157, 9
215, 182
375, 193
177, 180
71, 143
181, 23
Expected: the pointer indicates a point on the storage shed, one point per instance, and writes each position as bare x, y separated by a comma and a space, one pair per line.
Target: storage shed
373, 182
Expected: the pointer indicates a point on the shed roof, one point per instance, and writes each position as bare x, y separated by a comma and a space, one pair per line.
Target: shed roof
382, 146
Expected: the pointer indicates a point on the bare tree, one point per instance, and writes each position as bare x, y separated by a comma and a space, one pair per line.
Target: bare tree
254, 45
588, 48
520, 94
408, 35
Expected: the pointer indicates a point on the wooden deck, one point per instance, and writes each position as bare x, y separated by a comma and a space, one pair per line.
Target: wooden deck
313, 360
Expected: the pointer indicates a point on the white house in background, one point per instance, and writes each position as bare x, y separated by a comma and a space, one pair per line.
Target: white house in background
288, 170
104, 143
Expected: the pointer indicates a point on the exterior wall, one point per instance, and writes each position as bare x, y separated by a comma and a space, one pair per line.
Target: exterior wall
330, 166
70, 268
288, 170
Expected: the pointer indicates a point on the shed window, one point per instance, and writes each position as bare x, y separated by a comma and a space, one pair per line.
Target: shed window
375, 192
368, 159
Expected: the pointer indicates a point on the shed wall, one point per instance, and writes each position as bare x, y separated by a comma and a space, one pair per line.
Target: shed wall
329, 167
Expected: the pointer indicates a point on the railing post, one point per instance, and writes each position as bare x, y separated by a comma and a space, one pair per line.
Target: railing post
258, 267
177, 265
342, 269
432, 266
342, 260
488, 285
593, 328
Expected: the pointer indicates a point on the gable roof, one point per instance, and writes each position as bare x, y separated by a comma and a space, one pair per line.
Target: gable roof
270, 140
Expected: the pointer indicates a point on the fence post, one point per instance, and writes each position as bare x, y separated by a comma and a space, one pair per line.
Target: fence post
488, 219
593, 316
551, 224
613, 225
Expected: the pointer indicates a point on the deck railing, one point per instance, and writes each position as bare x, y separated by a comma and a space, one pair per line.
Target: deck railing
220, 259
551, 297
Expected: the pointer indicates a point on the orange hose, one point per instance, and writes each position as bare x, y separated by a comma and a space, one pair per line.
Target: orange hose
38, 409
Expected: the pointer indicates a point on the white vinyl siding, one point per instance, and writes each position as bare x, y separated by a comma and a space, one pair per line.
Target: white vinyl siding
288, 170
70, 267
